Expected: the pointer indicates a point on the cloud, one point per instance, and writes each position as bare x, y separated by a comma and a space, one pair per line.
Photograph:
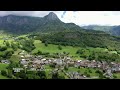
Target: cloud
93, 17
77, 17
20, 13
27, 13
62, 16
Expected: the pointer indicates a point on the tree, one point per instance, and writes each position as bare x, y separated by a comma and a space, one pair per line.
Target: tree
52, 65
55, 75
115, 77
88, 75
3, 72
12, 65
37, 77
14, 46
3, 48
61, 77
85, 73
66, 67
80, 51
90, 71
9, 73
27, 45
7, 44
64, 53
46, 44
30, 76
42, 74
39, 52
8, 54
22, 74
59, 47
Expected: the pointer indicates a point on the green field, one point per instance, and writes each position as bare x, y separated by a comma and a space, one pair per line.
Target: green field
3, 66
3, 77
69, 49
54, 48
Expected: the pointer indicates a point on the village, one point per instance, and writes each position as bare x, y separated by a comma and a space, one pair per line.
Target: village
32, 62
38, 63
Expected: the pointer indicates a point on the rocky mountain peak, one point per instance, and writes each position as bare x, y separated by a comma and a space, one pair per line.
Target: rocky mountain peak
51, 16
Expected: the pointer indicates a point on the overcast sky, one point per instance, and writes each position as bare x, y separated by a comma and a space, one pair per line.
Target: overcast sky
77, 17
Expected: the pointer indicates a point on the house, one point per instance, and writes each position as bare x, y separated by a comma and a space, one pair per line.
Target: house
59, 62
115, 69
108, 73
22, 56
43, 59
46, 62
32, 69
17, 69
75, 75
77, 64
24, 62
5, 61
37, 62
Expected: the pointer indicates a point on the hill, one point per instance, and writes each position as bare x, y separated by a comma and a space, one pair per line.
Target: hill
83, 39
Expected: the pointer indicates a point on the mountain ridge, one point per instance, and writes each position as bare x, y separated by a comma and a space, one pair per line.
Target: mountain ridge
27, 24
113, 30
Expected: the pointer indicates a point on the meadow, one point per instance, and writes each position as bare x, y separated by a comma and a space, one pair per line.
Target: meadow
51, 48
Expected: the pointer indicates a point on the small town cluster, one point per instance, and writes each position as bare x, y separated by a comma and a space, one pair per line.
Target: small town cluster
32, 63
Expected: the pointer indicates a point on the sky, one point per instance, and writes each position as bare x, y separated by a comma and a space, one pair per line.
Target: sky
78, 17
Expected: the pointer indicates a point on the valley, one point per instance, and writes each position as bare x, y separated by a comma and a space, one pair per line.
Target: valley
53, 52
47, 48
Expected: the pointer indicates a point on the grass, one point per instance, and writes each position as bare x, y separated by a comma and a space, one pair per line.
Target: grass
54, 48
3, 77
117, 75
1, 42
69, 49
82, 70
3, 66
48, 71
15, 58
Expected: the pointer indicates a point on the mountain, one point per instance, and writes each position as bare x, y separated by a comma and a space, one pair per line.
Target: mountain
113, 30
116, 30
98, 28
51, 16
52, 30
26, 24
